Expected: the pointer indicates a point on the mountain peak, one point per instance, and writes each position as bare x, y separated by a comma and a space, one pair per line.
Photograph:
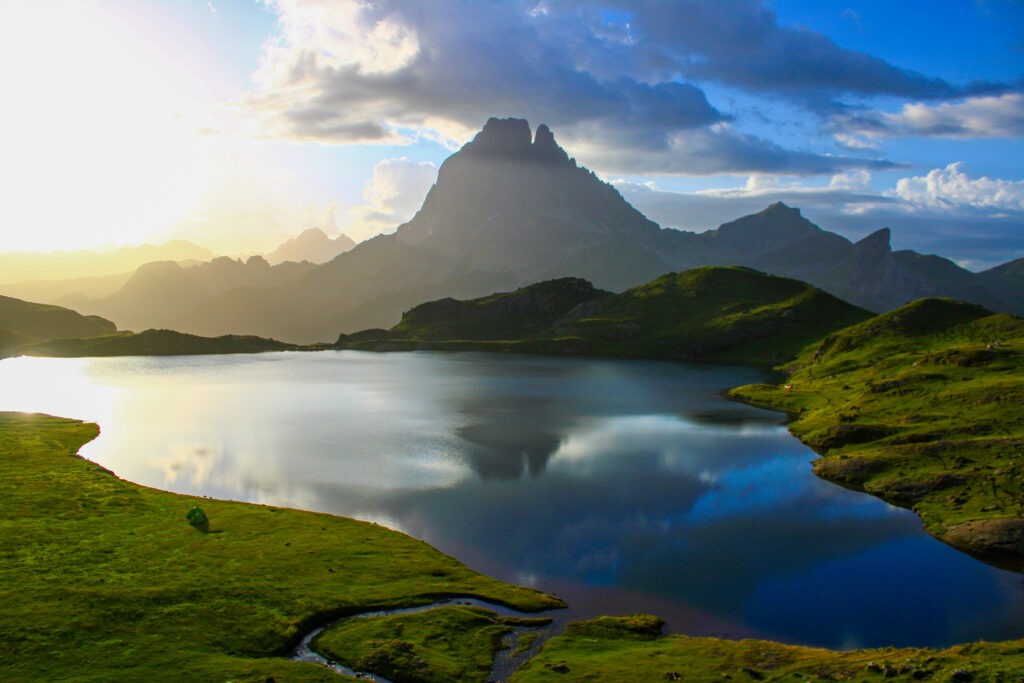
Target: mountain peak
780, 209
878, 241
511, 139
501, 138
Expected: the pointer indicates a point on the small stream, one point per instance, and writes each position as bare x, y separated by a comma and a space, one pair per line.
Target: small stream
506, 661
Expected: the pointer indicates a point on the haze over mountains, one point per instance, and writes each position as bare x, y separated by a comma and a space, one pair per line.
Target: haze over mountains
311, 245
509, 209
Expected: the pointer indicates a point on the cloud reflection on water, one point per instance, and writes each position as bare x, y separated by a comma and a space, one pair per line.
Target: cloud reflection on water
621, 478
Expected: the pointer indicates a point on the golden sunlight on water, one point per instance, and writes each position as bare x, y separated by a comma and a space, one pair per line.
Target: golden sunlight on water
57, 386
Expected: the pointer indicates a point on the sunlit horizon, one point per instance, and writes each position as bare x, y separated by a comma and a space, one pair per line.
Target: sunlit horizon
237, 124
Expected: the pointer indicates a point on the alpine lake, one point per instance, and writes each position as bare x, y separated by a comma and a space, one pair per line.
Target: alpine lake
623, 486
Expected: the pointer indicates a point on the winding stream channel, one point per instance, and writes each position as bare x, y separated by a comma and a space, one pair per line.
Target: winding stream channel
506, 660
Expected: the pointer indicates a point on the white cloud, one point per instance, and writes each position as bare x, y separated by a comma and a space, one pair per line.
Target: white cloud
394, 194
952, 188
993, 116
854, 142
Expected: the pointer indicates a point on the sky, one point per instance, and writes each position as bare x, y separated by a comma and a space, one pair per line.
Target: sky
239, 123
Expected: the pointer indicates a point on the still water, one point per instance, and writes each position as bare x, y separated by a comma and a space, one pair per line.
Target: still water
623, 486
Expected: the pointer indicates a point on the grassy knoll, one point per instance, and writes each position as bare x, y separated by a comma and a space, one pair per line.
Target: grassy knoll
719, 314
452, 644
724, 314
924, 407
104, 580
630, 649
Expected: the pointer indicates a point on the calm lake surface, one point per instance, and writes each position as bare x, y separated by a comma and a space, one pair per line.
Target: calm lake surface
622, 485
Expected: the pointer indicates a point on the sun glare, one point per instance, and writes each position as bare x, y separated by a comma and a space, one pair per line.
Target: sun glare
99, 144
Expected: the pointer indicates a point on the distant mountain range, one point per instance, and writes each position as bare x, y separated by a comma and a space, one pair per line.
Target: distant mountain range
509, 209
312, 245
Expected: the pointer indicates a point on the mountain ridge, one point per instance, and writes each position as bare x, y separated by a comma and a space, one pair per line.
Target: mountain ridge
512, 208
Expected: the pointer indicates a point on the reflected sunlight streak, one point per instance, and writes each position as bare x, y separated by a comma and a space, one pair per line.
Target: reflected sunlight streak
56, 386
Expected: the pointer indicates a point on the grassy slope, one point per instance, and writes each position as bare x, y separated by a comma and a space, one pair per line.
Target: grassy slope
524, 313
103, 580
154, 343
629, 649
456, 644
729, 314
924, 407
23, 321
720, 314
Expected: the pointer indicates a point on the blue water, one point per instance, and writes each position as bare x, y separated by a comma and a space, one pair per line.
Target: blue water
622, 485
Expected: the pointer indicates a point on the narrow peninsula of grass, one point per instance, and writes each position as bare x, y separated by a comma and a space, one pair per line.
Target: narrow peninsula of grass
154, 343
631, 649
923, 407
717, 314
104, 580
452, 644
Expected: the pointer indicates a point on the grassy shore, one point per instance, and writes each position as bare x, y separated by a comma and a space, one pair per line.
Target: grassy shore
631, 649
451, 644
923, 407
104, 580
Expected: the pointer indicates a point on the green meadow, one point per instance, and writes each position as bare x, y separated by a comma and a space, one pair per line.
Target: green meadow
923, 407
104, 580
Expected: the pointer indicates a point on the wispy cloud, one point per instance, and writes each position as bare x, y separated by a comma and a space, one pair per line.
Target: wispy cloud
994, 116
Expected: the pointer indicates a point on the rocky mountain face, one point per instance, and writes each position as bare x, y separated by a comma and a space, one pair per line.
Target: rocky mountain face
510, 209
513, 203
868, 273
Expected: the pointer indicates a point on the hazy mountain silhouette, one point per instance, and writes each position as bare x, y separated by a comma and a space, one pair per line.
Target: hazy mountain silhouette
165, 294
510, 209
313, 245
16, 267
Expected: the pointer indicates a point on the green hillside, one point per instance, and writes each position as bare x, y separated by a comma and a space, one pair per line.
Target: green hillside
924, 407
730, 314
25, 322
522, 314
154, 343
721, 314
